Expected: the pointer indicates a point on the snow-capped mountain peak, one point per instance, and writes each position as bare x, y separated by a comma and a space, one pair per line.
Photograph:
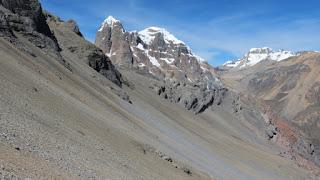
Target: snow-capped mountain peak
109, 21
148, 35
256, 55
153, 50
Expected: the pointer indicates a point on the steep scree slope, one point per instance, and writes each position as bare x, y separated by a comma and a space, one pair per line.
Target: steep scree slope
62, 124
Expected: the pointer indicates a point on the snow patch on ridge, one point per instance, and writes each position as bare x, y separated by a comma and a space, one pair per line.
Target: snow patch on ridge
153, 61
200, 59
140, 46
279, 56
232, 63
141, 65
168, 60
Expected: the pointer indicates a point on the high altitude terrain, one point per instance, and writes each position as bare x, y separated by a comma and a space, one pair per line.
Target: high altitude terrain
287, 90
141, 105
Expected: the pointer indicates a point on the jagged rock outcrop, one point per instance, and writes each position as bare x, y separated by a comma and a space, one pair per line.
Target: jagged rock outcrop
194, 97
157, 52
30, 9
113, 40
74, 27
25, 17
70, 38
102, 64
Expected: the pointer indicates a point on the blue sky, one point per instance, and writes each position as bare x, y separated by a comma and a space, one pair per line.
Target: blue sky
216, 30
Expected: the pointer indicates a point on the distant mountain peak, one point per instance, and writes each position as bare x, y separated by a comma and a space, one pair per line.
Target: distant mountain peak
256, 55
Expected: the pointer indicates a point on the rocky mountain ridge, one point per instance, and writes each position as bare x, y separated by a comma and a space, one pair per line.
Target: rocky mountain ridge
284, 89
153, 48
157, 52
